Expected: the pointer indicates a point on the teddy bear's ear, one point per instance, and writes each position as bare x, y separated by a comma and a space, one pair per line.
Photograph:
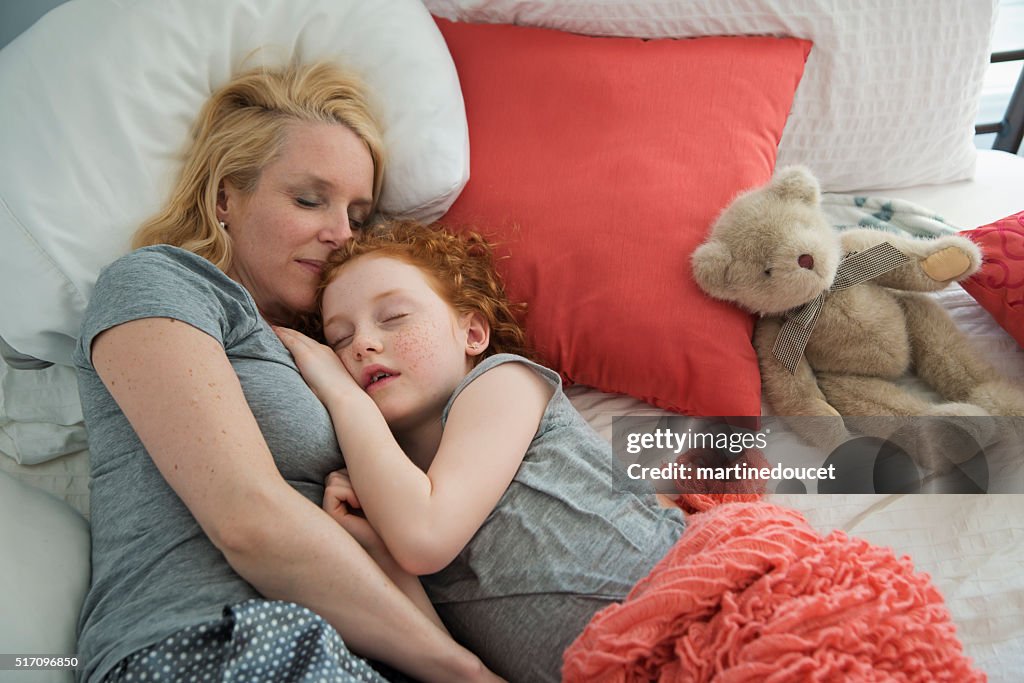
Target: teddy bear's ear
796, 183
710, 263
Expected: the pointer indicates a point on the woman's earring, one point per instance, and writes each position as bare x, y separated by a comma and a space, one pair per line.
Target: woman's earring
223, 225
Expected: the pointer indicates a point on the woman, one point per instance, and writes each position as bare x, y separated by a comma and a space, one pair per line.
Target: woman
208, 449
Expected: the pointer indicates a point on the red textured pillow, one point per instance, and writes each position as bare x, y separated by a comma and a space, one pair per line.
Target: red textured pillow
999, 285
599, 164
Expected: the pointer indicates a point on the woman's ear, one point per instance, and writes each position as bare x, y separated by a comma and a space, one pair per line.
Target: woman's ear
478, 333
227, 198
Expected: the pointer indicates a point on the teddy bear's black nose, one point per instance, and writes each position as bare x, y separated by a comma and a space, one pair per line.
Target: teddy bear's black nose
806, 261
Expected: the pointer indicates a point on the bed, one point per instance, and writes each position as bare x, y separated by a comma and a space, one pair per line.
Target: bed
914, 146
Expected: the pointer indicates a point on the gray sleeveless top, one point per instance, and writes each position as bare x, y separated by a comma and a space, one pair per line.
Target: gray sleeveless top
562, 526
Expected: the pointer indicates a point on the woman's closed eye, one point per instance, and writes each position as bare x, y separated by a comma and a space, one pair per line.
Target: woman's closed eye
356, 223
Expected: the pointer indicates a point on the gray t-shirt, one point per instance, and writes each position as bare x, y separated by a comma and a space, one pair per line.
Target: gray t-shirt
154, 571
562, 542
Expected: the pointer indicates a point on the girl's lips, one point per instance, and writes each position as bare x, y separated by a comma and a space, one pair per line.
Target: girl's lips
383, 382
372, 371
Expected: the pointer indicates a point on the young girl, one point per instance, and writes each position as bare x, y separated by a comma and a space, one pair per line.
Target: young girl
467, 459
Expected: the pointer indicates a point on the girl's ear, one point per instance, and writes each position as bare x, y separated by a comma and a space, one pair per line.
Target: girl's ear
478, 333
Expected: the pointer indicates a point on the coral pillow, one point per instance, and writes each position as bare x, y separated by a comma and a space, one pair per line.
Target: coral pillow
928, 58
599, 164
999, 285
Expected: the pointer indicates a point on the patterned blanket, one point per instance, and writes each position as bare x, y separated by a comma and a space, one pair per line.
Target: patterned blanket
894, 215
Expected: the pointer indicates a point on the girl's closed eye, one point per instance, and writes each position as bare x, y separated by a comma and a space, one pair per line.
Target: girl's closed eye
307, 203
393, 317
341, 341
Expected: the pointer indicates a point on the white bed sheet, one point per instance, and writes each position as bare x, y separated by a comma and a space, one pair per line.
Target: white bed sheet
973, 546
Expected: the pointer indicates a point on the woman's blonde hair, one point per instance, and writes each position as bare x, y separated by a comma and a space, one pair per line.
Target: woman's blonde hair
461, 267
241, 129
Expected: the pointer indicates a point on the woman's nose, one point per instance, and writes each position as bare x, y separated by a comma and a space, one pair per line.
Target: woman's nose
336, 233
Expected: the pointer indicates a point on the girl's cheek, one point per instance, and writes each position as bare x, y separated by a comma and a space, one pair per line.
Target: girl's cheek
417, 344
348, 368
345, 356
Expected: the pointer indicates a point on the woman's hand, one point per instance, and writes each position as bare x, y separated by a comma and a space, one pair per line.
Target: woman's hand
320, 366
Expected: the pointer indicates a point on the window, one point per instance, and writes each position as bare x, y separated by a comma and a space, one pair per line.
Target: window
1001, 78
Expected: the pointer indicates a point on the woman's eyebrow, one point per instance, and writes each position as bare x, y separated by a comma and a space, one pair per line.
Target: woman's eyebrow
306, 178
310, 180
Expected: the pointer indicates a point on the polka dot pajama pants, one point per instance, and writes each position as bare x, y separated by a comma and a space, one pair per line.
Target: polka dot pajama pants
257, 640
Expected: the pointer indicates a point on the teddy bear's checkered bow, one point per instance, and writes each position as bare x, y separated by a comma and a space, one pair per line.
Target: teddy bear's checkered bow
854, 268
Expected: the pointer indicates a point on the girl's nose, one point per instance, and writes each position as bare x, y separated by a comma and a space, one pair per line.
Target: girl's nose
365, 344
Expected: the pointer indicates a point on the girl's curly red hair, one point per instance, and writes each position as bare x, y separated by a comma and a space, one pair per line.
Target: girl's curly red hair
460, 266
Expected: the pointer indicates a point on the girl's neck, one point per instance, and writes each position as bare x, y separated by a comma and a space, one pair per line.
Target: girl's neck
420, 444
420, 441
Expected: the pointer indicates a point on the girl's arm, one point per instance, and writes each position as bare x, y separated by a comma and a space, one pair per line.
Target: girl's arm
339, 499
176, 386
426, 518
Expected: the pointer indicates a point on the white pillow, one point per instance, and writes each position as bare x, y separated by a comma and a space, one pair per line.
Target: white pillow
44, 574
40, 414
99, 97
889, 94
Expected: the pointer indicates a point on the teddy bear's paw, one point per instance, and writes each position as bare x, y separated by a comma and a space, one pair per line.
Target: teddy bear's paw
948, 264
938, 444
999, 397
824, 432
957, 410
959, 259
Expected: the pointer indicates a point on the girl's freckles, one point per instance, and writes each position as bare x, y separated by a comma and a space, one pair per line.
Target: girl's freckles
414, 342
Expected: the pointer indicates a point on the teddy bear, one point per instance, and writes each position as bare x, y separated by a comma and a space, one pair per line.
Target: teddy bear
843, 315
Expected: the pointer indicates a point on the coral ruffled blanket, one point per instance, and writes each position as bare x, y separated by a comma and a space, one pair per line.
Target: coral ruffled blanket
752, 593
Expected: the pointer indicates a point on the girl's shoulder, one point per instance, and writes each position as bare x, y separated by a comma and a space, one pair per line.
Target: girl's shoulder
501, 359
497, 359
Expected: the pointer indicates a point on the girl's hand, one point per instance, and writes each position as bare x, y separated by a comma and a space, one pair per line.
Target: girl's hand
339, 496
340, 502
320, 366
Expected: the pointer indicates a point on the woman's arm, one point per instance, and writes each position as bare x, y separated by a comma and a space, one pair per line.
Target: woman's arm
339, 499
426, 518
176, 386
